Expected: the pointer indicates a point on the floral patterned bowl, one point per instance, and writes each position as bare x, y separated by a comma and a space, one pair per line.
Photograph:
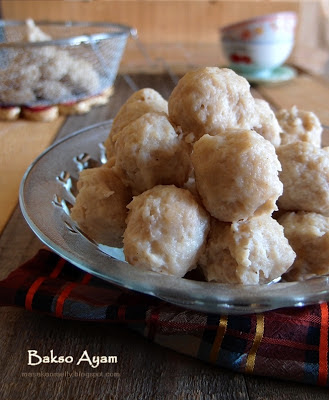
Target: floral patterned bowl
257, 46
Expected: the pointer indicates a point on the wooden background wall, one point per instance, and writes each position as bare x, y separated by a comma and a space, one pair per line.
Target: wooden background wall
162, 21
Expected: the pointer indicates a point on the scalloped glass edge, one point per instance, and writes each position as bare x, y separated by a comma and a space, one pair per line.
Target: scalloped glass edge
54, 227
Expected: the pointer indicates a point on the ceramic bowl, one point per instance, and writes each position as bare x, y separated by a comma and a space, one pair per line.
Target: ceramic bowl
259, 45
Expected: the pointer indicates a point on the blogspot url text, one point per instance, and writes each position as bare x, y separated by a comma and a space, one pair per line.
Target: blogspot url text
73, 374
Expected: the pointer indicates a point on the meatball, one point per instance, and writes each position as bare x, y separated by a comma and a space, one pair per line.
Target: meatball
52, 90
305, 178
83, 77
299, 125
236, 174
268, 125
22, 77
150, 153
211, 99
17, 96
100, 207
254, 251
34, 33
57, 67
166, 231
141, 102
308, 234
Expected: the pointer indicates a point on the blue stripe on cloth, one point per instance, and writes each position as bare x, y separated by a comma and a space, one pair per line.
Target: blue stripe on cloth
208, 337
311, 367
231, 359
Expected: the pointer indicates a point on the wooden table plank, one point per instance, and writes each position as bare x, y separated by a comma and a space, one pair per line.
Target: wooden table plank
146, 370
20, 143
305, 92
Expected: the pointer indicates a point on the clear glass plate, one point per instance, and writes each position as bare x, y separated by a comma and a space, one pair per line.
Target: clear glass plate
46, 192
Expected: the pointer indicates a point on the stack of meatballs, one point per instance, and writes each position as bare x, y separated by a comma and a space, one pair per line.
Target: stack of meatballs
212, 179
40, 83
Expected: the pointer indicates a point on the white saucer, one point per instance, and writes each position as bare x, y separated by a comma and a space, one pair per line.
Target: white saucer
278, 75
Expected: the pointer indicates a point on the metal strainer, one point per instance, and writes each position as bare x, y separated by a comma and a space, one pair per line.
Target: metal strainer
45, 63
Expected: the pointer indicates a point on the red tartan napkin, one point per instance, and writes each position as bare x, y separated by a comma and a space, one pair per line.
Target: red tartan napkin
287, 343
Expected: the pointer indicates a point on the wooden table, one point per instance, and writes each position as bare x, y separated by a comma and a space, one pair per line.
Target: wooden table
144, 370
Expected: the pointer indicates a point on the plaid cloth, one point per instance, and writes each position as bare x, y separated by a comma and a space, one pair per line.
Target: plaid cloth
287, 343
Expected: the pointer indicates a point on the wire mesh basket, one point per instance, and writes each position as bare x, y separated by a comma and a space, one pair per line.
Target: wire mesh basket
45, 63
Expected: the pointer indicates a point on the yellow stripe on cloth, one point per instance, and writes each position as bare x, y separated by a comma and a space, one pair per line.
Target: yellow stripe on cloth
250, 364
221, 330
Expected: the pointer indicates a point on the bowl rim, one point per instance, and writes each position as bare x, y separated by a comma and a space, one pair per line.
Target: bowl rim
120, 30
230, 41
259, 18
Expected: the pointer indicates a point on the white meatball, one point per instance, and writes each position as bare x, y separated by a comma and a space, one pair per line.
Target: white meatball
254, 251
20, 77
141, 102
57, 67
305, 178
166, 231
17, 96
308, 235
82, 76
268, 125
211, 99
236, 174
100, 207
150, 153
299, 125
34, 33
52, 90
